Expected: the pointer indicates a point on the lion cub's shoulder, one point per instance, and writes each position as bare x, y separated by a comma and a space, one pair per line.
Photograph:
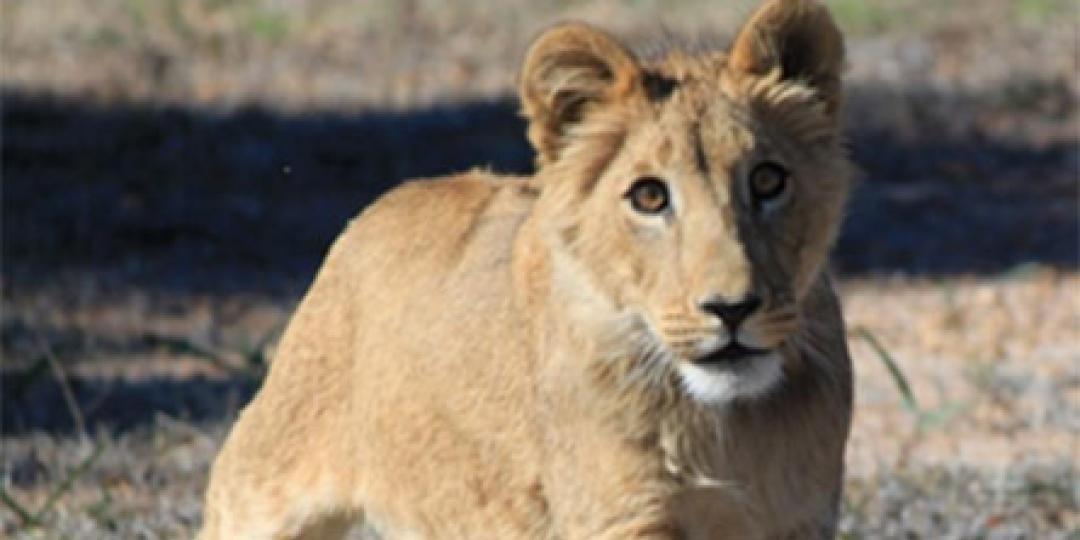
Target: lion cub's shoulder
460, 196
440, 219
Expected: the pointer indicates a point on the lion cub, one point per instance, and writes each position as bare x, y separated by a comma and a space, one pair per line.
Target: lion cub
638, 341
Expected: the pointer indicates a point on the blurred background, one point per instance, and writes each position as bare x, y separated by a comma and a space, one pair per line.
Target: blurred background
174, 170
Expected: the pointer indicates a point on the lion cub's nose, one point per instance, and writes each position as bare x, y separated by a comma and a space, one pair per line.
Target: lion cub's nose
732, 313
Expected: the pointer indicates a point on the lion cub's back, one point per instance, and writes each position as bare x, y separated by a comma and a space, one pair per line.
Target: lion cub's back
435, 229
388, 360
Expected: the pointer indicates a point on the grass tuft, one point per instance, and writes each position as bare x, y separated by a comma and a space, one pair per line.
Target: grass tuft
925, 419
33, 520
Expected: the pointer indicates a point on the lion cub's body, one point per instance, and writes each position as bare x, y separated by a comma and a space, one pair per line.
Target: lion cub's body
425, 425
463, 367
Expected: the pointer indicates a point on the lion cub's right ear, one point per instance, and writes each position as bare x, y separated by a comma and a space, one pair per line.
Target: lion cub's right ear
569, 70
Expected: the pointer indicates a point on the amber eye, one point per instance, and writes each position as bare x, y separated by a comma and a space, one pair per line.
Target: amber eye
768, 181
649, 195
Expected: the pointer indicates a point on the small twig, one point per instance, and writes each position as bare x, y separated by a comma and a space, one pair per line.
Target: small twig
32, 520
65, 486
65, 387
28, 519
187, 346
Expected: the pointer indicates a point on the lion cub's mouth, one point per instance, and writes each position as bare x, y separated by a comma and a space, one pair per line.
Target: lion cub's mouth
733, 352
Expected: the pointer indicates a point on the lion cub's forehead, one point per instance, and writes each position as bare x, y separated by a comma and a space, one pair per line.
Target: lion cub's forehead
699, 123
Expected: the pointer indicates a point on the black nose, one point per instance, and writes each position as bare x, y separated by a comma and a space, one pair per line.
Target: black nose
732, 313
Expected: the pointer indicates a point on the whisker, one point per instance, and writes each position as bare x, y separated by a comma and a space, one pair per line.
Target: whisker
691, 329
682, 339
689, 334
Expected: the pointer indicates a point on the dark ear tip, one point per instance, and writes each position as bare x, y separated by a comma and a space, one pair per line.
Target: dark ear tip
794, 35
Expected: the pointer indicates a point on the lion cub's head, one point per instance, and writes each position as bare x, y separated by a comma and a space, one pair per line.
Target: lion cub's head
696, 195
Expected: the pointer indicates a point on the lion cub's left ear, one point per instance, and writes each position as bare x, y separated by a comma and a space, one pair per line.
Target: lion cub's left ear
799, 38
569, 71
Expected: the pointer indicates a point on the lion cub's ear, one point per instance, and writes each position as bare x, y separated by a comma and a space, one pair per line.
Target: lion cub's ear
799, 38
569, 70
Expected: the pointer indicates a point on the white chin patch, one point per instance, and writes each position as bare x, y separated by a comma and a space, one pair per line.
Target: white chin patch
748, 378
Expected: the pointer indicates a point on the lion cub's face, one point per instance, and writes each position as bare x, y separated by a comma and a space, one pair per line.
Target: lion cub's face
697, 196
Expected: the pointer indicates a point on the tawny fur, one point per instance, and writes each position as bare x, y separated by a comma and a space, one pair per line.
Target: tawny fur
494, 357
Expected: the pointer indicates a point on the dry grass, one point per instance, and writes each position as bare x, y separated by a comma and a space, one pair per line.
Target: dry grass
999, 461
298, 54
142, 295
991, 449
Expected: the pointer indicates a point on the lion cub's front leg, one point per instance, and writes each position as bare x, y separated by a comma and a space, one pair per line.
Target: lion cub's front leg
284, 472
600, 482
259, 491
597, 493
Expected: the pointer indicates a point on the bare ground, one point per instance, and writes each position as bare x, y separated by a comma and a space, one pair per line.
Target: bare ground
173, 172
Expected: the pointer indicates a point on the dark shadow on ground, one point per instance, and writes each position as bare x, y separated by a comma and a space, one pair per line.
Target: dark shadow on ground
116, 405
165, 197
181, 200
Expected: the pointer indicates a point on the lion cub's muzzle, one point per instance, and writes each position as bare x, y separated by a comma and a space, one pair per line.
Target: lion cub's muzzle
732, 314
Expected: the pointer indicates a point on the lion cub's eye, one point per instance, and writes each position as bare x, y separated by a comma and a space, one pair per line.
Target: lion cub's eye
768, 181
649, 195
